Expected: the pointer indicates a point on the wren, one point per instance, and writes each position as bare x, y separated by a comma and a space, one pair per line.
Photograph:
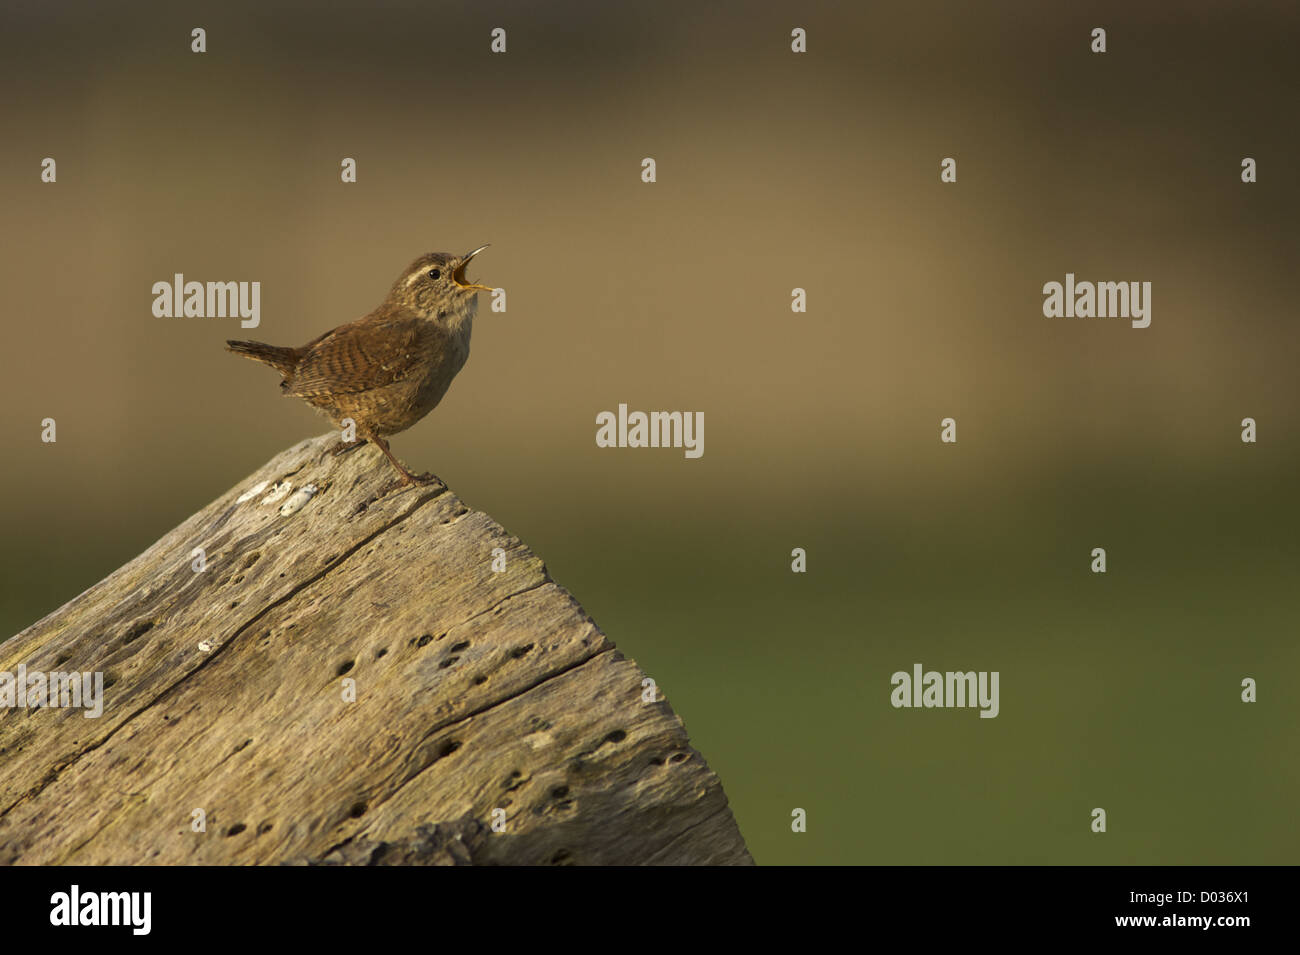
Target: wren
389, 369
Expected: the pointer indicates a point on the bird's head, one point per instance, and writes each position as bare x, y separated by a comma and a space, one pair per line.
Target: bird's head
435, 286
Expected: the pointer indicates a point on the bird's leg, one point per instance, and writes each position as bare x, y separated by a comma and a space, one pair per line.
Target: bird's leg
407, 476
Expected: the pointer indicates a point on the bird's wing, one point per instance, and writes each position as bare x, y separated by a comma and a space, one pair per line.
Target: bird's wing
369, 353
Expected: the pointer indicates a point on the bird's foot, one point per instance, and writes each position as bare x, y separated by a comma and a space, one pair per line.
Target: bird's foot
343, 447
417, 480
409, 480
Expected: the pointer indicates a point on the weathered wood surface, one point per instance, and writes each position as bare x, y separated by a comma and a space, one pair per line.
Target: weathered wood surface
475, 690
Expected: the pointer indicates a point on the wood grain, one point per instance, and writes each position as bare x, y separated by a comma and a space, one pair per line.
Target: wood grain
475, 690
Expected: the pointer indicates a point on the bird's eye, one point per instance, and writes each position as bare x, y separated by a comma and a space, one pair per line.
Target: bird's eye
435, 275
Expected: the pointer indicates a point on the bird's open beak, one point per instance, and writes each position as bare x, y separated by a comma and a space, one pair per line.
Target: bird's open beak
458, 275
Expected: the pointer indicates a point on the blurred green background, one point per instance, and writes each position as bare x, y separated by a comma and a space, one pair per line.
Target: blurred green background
775, 170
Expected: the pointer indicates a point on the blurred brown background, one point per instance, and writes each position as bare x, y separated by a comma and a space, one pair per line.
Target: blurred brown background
775, 170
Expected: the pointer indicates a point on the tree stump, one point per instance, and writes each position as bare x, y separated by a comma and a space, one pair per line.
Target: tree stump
493, 722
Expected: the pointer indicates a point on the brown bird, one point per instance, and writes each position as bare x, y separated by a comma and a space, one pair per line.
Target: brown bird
389, 369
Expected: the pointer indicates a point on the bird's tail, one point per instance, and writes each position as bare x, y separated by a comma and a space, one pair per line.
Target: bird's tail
283, 360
